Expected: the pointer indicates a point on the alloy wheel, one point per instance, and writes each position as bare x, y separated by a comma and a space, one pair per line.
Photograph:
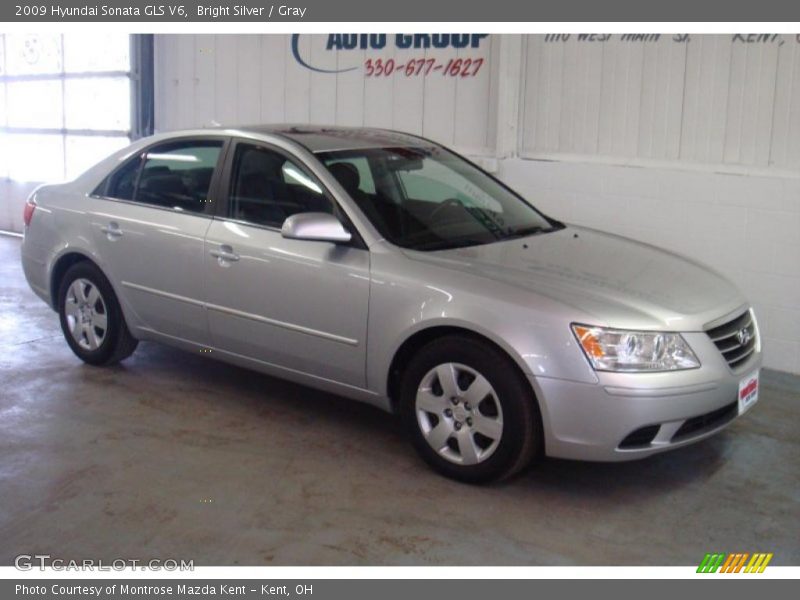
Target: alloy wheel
86, 314
459, 413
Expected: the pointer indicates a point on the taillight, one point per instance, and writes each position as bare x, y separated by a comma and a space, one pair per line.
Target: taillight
30, 206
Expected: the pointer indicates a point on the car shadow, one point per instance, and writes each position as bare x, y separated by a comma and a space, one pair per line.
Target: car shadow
652, 475
212, 383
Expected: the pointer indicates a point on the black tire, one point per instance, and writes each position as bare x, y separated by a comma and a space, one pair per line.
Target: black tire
521, 439
117, 343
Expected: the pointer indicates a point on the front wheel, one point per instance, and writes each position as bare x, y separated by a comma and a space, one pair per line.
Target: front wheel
471, 415
91, 318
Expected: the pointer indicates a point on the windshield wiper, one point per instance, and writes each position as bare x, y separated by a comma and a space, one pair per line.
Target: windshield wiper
533, 230
525, 231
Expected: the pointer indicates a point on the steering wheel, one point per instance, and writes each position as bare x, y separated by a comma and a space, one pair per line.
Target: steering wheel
448, 204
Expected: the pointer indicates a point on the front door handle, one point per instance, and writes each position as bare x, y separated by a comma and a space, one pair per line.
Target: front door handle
112, 230
225, 254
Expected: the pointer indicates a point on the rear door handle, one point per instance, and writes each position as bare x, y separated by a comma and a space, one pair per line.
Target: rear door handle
112, 230
224, 254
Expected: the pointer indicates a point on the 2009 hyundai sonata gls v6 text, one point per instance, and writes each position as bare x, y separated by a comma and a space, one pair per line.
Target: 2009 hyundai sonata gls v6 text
384, 267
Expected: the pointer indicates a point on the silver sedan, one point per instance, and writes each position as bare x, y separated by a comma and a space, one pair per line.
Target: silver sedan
384, 267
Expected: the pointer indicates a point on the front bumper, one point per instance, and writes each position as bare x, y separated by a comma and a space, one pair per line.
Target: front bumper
626, 416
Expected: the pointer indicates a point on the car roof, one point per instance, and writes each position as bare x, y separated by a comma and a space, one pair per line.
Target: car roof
324, 138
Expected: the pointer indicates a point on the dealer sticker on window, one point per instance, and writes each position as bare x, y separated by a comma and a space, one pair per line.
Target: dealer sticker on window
748, 392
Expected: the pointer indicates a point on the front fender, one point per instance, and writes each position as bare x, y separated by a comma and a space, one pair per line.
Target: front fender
408, 296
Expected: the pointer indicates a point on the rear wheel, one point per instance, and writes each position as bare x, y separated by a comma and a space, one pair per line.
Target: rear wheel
90, 316
471, 414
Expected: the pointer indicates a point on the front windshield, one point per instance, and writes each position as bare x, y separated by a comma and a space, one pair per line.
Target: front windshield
427, 198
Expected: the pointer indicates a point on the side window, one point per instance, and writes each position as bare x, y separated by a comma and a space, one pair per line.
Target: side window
121, 183
266, 188
178, 175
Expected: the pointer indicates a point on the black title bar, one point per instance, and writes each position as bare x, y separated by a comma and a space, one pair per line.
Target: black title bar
341, 11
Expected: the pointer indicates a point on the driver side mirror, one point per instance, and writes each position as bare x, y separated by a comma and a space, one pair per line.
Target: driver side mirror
316, 226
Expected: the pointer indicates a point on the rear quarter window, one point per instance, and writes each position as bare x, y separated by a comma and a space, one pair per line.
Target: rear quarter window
121, 184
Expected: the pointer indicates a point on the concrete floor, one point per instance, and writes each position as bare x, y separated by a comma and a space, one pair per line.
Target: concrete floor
173, 455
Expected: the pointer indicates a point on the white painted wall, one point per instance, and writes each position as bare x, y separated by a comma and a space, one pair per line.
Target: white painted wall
714, 100
248, 79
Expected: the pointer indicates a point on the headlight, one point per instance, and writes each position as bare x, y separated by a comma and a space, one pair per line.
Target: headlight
634, 351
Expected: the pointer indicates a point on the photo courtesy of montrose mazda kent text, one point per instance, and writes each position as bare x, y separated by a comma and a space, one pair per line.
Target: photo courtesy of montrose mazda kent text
384, 267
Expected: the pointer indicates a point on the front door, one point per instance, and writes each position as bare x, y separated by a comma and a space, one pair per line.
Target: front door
297, 304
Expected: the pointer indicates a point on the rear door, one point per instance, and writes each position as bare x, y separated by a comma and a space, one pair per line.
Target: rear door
297, 304
150, 229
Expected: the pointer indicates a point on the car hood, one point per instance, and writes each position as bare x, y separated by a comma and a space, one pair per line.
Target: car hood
612, 280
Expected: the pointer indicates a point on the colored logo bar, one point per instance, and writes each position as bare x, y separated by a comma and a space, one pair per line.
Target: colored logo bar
735, 562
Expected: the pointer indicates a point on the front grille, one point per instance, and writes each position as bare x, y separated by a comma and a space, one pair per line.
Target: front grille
699, 425
736, 339
641, 437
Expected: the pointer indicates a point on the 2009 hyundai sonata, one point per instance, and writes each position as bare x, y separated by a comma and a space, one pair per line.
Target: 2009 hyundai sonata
384, 267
